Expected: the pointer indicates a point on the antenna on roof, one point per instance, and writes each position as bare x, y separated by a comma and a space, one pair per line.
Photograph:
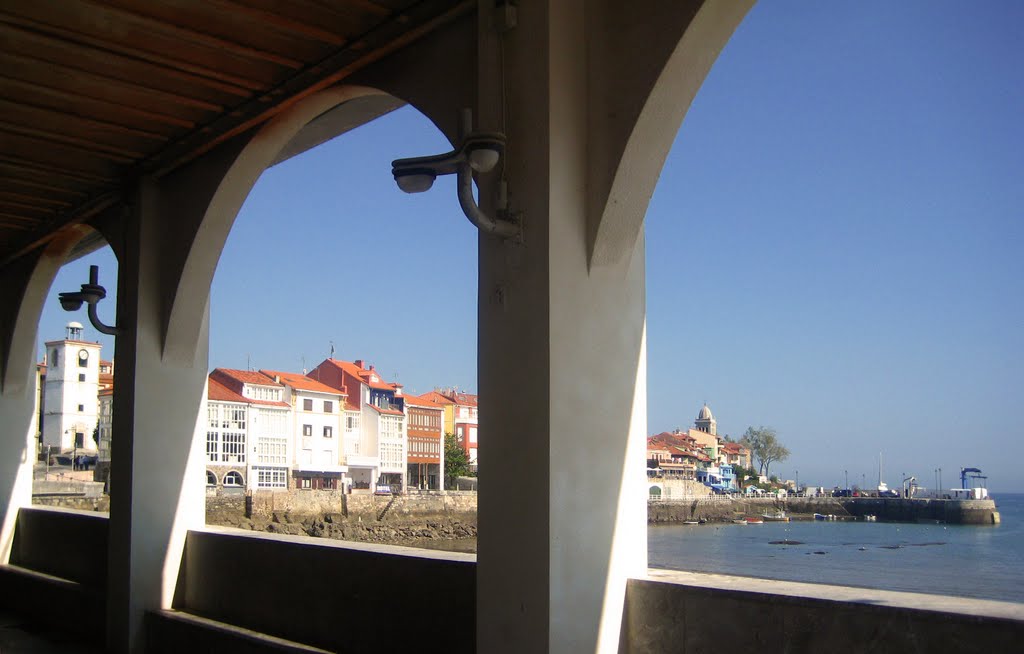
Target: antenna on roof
248, 361
332, 349
303, 365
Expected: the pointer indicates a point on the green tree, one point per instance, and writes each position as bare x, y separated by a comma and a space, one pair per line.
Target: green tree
456, 463
765, 446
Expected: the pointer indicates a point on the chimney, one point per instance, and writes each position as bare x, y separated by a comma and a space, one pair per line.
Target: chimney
371, 366
277, 379
359, 363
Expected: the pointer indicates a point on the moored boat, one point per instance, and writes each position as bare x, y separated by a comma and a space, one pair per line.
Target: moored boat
754, 521
777, 517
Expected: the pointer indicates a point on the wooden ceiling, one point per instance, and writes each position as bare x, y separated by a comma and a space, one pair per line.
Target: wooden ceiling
95, 93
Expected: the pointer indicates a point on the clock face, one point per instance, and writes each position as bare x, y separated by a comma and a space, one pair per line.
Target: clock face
83, 356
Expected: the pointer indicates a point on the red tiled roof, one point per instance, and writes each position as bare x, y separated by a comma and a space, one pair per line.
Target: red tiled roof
221, 393
455, 397
301, 382
362, 375
437, 398
421, 401
233, 380
247, 377
388, 412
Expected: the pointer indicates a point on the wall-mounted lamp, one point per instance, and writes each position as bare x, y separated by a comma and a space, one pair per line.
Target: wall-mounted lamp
90, 294
479, 152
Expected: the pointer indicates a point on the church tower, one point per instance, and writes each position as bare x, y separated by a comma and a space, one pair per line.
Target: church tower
705, 422
70, 395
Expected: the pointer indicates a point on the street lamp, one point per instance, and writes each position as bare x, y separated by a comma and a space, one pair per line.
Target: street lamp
846, 476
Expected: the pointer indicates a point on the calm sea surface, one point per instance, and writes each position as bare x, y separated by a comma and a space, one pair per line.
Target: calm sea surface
971, 561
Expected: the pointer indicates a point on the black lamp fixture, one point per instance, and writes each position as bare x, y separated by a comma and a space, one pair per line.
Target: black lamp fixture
479, 152
90, 294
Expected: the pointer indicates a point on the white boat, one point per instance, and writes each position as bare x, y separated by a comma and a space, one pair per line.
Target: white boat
778, 517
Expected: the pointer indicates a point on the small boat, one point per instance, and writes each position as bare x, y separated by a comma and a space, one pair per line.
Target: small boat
871, 518
778, 517
754, 521
689, 522
822, 516
739, 521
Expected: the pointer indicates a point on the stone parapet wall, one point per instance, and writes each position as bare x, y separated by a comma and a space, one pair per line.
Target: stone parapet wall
265, 504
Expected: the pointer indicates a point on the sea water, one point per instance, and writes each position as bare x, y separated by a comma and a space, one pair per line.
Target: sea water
969, 561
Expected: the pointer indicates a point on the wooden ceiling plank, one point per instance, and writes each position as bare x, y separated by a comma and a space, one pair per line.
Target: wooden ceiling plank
343, 63
14, 217
51, 47
363, 4
195, 36
26, 112
145, 56
282, 22
84, 145
9, 180
70, 98
49, 168
345, 19
22, 67
33, 199
27, 209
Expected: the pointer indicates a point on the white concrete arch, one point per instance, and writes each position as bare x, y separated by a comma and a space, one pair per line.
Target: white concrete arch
26, 286
647, 81
188, 303
25, 299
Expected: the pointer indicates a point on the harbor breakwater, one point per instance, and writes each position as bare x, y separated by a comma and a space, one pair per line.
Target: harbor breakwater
723, 509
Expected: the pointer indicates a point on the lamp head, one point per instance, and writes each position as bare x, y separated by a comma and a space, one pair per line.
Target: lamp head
414, 180
70, 301
483, 157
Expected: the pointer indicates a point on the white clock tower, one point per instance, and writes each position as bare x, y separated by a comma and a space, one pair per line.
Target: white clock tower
70, 402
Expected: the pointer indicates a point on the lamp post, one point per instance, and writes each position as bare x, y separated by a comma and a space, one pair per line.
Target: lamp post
940, 480
798, 481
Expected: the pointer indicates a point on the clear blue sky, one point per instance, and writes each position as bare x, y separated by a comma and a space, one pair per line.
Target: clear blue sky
835, 248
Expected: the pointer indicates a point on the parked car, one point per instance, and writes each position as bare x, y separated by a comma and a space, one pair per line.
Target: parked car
889, 493
842, 492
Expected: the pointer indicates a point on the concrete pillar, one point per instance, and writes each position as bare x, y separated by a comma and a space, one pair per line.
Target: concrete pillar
590, 95
562, 367
157, 472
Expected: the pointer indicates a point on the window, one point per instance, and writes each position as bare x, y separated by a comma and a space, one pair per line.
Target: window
306, 483
234, 447
307, 430
272, 450
211, 479
56, 358
328, 432
212, 451
271, 478
307, 405
328, 406
81, 377
233, 479
81, 408
351, 422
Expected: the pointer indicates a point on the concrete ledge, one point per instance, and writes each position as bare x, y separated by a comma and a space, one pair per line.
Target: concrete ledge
173, 632
669, 611
336, 595
54, 604
65, 543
